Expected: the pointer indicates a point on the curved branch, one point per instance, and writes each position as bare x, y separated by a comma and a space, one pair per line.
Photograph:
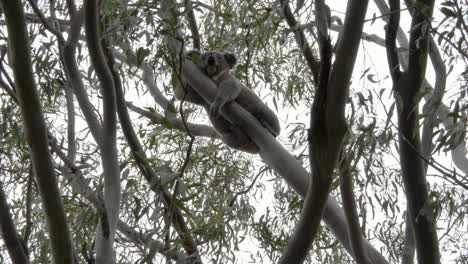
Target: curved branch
349, 204
107, 145
67, 55
322, 154
148, 77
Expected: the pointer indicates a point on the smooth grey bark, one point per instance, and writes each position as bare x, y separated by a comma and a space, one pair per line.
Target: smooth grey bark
71, 139
108, 145
148, 77
36, 133
272, 152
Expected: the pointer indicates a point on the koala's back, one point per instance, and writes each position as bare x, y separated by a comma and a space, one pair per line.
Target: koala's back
252, 103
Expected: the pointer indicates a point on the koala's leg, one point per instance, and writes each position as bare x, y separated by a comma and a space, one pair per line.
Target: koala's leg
228, 90
233, 136
268, 119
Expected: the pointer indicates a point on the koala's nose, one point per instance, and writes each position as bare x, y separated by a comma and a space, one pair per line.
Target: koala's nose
211, 60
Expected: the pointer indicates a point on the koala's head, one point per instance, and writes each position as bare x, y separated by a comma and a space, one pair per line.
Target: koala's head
215, 62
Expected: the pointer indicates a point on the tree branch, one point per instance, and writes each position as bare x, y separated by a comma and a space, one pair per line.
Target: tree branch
321, 162
35, 130
407, 94
192, 24
148, 77
9, 233
107, 145
349, 204
301, 40
390, 40
272, 152
150, 175
70, 65
195, 129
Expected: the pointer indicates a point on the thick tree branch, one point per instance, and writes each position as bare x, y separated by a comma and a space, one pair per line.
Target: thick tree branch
458, 153
391, 31
328, 124
433, 103
29, 200
71, 138
107, 146
35, 130
9, 232
407, 256
321, 156
407, 94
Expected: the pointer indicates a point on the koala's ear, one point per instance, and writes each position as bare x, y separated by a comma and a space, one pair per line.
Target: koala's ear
231, 59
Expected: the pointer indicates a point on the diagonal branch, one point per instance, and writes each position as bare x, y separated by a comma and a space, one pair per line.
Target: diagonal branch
301, 39
9, 233
148, 76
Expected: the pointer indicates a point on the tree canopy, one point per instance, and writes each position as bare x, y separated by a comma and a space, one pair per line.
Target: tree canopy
100, 163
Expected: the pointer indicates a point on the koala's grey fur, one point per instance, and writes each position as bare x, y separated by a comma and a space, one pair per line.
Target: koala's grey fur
217, 66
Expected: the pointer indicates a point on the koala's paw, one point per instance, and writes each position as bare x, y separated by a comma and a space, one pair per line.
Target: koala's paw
268, 127
214, 109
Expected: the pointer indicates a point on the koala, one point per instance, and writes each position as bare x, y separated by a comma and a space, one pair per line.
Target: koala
217, 65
